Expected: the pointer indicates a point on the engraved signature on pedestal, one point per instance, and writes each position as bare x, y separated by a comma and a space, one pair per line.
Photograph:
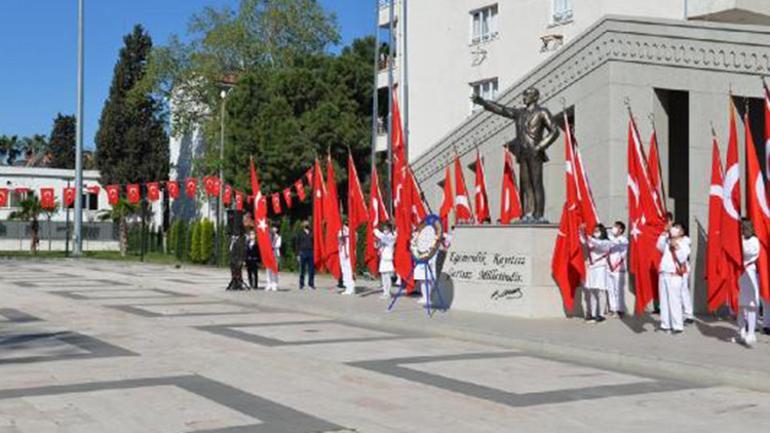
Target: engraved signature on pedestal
516, 293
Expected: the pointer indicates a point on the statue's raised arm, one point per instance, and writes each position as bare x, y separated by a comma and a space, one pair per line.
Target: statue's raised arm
497, 108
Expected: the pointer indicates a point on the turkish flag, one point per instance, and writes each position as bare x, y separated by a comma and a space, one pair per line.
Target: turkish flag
309, 176
133, 192
481, 201
262, 227
47, 199
757, 209
299, 186
588, 214
190, 186
510, 204
113, 194
767, 133
731, 216
377, 214
358, 215
153, 191
419, 211
172, 187
3, 197
716, 284
276, 200
287, 197
319, 201
403, 214
447, 203
397, 134
463, 212
653, 165
227, 197
238, 201
211, 185
93, 189
333, 222
69, 196
647, 222
567, 262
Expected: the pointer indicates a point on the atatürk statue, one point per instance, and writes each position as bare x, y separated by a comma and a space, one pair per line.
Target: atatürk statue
535, 132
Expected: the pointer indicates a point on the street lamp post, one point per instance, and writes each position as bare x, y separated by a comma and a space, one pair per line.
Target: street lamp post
220, 197
78, 247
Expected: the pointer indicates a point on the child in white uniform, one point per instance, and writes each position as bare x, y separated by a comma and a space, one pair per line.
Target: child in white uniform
748, 298
675, 247
386, 241
617, 269
347, 272
272, 277
597, 280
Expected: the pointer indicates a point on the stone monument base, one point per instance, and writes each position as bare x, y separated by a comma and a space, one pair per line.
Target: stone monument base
503, 270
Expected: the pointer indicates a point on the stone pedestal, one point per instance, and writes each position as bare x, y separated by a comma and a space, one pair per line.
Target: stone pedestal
503, 270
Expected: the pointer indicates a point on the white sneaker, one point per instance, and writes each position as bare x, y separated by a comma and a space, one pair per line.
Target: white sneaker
348, 293
750, 341
384, 296
422, 301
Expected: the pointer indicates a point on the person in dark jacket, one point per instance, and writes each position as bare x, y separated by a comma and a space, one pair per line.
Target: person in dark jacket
252, 260
303, 244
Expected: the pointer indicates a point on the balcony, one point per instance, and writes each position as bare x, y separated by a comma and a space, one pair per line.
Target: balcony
382, 75
384, 17
382, 136
730, 11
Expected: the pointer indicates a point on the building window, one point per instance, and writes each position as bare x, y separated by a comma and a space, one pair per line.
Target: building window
487, 89
484, 24
562, 11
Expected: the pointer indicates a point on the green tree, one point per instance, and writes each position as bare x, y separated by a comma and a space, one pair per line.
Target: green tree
10, 148
62, 142
195, 242
119, 214
29, 211
182, 242
206, 241
131, 143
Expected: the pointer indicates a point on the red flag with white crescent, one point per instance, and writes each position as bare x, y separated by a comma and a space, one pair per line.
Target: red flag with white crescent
319, 201
358, 215
716, 285
757, 209
333, 222
276, 201
47, 200
262, 227
377, 215
172, 187
153, 191
3, 197
69, 196
463, 211
480, 198
93, 189
731, 216
299, 186
113, 194
447, 204
133, 192
227, 197
510, 203
190, 186
287, 197
238, 201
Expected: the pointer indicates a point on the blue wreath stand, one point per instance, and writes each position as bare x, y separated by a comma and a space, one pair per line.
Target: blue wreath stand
431, 280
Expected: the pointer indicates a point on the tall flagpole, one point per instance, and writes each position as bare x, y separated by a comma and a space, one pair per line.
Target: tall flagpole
405, 77
375, 87
391, 56
78, 247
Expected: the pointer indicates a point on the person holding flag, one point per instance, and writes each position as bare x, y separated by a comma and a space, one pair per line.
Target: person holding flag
343, 239
748, 298
616, 284
597, 279
272, 275
675, 249
386, 241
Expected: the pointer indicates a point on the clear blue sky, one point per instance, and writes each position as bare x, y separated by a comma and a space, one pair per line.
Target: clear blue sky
38, 45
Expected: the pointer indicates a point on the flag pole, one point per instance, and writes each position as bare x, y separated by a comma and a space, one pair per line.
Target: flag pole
391, 55
660, 168
375, 86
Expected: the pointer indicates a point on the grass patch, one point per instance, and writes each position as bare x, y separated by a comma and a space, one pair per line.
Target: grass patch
154, 257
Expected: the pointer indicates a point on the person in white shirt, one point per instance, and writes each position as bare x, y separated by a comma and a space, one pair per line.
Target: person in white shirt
675, 247
386, 242
425, 274
343, 238
748, 298
616, 292
595, 287
272, 277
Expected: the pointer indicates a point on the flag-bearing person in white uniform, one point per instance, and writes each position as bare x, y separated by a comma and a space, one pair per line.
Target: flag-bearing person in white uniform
748, 297
597, 278
386, 242
272, 277
672, 277
687, 299
616, 293
343, 238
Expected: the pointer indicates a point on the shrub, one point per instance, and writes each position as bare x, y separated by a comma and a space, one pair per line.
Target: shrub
206, 241
182, 246
195, 242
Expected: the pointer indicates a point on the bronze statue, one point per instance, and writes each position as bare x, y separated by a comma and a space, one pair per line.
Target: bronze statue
535, 132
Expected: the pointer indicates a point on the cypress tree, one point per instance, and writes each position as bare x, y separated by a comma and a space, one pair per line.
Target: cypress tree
62, 142
131, 143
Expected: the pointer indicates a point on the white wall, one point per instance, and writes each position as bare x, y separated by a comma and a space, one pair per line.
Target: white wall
441, 57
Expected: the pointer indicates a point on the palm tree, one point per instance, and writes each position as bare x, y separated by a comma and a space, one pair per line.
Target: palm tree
30, 210
119, 214
9, 148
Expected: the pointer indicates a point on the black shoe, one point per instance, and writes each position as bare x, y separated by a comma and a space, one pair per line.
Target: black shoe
600, 319
689, 321
766, 331
677, 331
621, 314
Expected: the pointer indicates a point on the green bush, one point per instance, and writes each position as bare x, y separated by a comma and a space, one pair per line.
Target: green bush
173, 233
182, 242
206, 241
195, 242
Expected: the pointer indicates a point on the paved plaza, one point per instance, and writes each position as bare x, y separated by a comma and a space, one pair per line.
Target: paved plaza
98, 346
